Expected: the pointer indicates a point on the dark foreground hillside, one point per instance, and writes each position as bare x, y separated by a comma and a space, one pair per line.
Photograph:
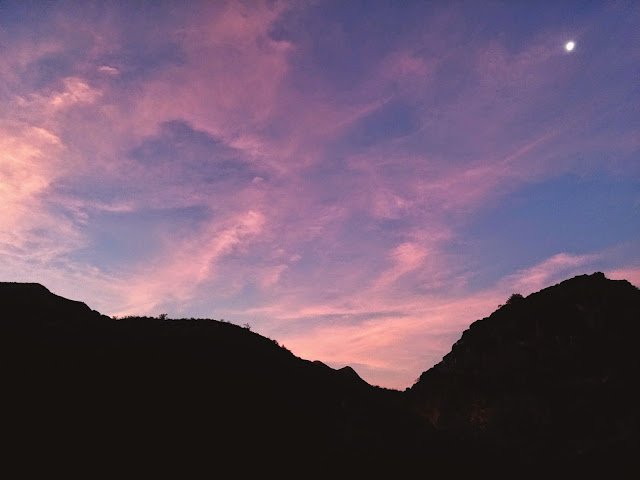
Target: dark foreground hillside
546, 381
544, 386
193, 395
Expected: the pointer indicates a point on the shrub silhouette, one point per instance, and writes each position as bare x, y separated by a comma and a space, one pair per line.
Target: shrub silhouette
515, 298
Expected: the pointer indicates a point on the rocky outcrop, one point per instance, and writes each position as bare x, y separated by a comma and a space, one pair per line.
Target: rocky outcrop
548, 377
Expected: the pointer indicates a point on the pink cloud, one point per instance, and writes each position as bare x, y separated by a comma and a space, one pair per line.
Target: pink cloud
31, 161
405, 344
178, 275
406, 257
404, 333
230, 78
556, 268
109, 70
427, 186
75, 91
630, 273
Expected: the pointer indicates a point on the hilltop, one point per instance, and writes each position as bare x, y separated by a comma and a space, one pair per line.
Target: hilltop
549, 376
198, 389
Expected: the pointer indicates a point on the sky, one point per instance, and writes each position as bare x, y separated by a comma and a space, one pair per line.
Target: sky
358, 180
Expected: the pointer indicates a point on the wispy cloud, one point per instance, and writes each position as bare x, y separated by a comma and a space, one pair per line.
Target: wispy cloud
630, 273
109, 70
550, 271
191, 262
417, 330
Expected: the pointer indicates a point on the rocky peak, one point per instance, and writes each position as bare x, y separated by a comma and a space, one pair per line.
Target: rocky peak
539, 369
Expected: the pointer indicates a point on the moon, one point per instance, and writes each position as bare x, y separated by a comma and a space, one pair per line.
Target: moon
569, 46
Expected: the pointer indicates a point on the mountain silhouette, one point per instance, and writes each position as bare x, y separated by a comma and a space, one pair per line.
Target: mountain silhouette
545, 382
189, 393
